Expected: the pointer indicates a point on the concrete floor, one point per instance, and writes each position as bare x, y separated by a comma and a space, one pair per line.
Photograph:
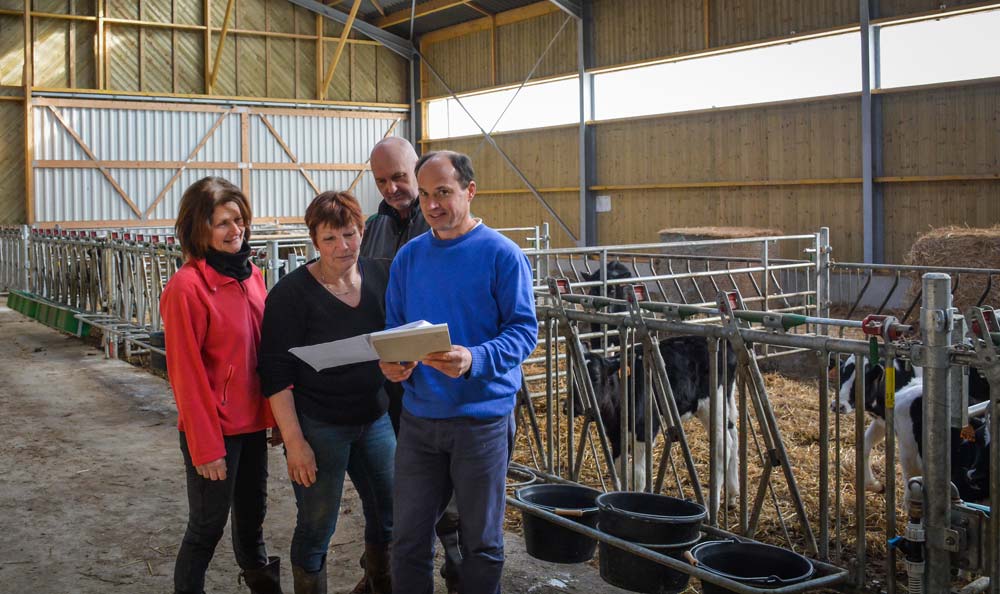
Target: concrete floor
92, 491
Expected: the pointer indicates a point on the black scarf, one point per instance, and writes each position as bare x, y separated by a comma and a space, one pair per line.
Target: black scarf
232, 265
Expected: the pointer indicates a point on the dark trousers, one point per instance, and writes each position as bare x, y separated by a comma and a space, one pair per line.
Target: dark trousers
438, 457
447, 526
243, 496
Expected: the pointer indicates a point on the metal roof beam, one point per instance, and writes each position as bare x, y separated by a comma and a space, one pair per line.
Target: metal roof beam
570, 7
421, 9
401, 46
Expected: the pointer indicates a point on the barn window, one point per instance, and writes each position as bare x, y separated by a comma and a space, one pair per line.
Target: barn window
960, 47
537, 105
809, 68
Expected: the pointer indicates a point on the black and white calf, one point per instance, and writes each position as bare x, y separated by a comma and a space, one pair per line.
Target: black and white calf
687, 366
874, 404
969, 453
616, 271
969, 448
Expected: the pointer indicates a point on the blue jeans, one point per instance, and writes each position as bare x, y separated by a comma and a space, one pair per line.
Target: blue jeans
438, 457
243, 496
366, 453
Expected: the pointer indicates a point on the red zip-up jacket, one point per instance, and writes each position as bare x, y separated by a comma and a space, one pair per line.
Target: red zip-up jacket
212, 329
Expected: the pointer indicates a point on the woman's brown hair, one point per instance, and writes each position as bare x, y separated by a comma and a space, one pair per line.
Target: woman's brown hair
193, 227
336, 209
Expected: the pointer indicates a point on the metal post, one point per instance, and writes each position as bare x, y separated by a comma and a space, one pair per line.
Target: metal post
416, 112
871, 140
715, 446
273, 264
823, 276
936, 327
859, 472
25, 260
588, 143
823, 359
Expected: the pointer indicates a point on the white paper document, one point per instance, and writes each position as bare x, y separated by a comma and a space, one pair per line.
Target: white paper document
409, 342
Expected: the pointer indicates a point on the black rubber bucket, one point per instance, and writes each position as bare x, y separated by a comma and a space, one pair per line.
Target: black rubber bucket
625, 570
156, 360
649, 519
750, 563
548, 542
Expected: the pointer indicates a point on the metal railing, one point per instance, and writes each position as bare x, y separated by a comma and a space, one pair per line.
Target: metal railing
960, 530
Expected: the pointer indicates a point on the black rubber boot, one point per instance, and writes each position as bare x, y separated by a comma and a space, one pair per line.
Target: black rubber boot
266, 579
362, 586
310, 583
452, 560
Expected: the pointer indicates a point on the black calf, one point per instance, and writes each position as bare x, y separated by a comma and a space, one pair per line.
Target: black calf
687, 365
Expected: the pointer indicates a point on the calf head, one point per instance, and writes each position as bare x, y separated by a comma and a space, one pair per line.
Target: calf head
616, 271
874, 386
603, 374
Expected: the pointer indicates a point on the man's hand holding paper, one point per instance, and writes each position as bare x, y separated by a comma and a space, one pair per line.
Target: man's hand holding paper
454, 363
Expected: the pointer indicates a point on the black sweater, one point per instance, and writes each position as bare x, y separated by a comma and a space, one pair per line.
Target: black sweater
299, 311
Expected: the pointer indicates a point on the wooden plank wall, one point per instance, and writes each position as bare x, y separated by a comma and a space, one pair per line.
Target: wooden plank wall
626, 31
548, 158
158, 47
11, 163
793, 166
940, 132
892, 8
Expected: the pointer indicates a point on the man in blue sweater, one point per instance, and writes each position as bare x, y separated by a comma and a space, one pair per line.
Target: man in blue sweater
456, 428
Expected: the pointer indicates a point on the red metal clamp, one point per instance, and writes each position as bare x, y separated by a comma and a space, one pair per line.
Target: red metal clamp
885, 327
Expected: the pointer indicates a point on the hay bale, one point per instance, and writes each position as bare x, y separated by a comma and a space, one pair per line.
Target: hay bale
956, 246
744, 283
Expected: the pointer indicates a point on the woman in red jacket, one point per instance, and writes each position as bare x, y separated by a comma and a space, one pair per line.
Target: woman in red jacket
212, 310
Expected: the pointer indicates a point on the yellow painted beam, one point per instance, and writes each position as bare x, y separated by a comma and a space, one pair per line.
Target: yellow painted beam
100, 47
206, 16
218, 50
340, 48
27, 77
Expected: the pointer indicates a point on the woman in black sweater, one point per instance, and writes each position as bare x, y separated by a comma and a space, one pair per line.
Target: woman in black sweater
333, 421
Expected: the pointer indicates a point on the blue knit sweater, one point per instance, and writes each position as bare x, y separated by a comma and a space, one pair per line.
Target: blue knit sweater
480, 284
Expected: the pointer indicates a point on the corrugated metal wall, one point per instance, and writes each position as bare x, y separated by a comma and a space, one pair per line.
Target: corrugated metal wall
70, 189
270, 53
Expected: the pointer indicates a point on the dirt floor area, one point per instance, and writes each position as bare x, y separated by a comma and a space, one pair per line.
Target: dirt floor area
92, 490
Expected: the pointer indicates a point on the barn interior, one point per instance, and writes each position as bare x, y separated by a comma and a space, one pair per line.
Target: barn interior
802, 180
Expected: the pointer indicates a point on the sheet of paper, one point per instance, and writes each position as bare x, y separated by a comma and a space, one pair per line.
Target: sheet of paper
322, 356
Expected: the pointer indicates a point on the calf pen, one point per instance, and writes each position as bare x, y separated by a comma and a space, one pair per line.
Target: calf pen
560, 449
771, 309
